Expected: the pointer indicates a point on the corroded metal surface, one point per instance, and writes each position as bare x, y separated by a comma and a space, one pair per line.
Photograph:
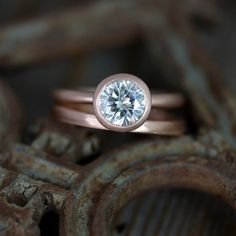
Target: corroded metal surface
175, 212
53, 170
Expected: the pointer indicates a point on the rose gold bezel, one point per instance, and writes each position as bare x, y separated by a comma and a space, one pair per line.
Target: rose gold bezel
107, 81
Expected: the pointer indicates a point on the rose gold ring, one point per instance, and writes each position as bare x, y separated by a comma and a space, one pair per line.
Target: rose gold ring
121, 103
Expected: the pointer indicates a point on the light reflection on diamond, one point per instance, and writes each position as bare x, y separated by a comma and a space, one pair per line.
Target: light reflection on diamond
122, 102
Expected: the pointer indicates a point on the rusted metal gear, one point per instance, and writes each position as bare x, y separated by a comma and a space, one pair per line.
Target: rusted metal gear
42, 176
102, 188
118, 177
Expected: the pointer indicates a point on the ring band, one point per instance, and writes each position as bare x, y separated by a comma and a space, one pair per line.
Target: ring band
120, 103
163, 100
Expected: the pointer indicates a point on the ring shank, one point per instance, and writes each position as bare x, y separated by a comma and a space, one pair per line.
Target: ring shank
159, 100
78, 108
75, 117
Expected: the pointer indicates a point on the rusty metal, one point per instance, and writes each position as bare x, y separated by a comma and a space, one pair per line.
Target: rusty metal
64, 141
42, 175
86, 29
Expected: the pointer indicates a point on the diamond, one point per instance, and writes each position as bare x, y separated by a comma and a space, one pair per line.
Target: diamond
122, 102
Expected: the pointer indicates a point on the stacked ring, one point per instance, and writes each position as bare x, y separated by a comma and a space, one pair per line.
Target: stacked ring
121, 103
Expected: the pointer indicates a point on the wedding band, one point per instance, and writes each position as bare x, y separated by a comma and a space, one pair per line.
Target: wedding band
121, 103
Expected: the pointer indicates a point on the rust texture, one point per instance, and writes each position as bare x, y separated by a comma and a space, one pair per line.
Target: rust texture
53, 171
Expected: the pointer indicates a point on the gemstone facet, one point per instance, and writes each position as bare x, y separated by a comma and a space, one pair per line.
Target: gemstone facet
122, 102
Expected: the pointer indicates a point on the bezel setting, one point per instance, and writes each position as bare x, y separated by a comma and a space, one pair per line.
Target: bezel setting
97, 100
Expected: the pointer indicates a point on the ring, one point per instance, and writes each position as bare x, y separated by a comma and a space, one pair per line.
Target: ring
121, 103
